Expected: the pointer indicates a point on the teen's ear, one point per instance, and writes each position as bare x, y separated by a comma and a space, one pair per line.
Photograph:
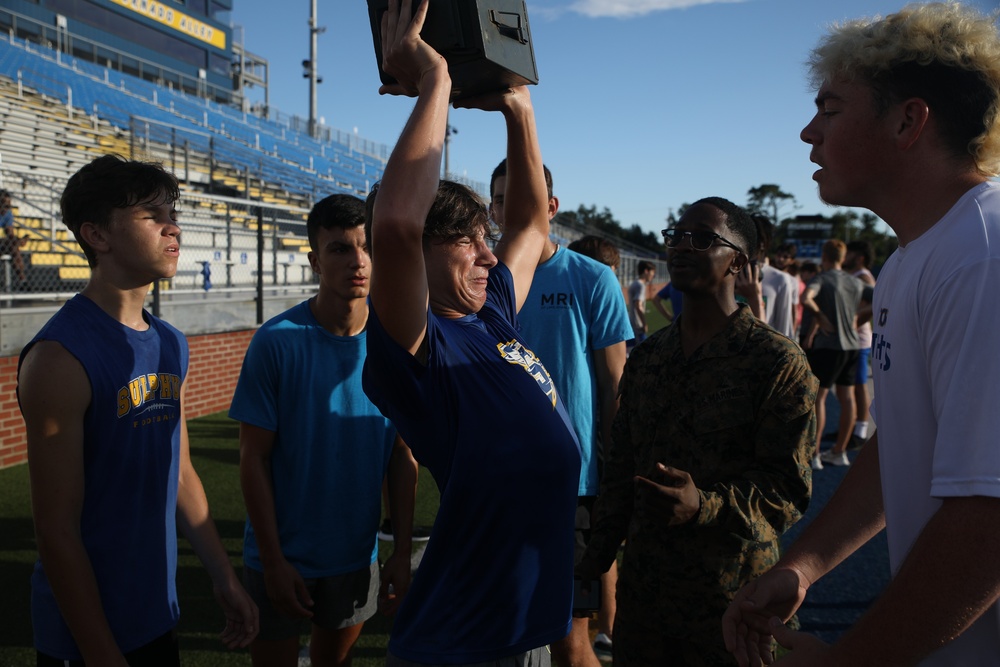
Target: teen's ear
911, 122
314, 262
95, 237
553, 206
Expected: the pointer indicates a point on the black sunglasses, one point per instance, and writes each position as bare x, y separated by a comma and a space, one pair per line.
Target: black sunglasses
700, 240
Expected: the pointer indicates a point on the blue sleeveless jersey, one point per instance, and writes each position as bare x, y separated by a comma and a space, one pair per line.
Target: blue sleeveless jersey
131, 451
485, 418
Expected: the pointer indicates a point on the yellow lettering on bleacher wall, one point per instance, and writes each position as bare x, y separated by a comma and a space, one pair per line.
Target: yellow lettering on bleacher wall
178, 21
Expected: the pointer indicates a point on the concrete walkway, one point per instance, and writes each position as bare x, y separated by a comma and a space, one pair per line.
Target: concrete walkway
835, 602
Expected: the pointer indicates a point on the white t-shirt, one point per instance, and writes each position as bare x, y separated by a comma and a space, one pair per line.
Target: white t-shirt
936, 365
781, 294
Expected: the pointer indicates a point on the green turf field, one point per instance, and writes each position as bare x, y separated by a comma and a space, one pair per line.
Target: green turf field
215, 453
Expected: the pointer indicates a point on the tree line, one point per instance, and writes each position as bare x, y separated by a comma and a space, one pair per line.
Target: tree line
766, 199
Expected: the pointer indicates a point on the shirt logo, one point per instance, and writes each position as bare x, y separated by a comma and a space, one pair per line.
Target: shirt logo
150, 392
515, 353
883, 315
880, 351
557, 300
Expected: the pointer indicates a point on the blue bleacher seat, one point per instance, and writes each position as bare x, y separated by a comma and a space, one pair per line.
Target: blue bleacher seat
291, 160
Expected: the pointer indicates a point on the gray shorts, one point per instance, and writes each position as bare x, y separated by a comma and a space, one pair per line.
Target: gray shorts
340, 601
539, 657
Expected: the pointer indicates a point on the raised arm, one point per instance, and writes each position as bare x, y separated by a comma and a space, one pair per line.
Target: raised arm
54, 422
526, 199
399, 292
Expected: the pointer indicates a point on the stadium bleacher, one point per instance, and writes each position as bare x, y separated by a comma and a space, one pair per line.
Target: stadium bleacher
270, 152
58, 112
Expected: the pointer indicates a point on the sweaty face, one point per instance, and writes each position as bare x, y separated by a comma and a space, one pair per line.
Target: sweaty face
342, 262
849, 143
142, 243
457, 273
703, 271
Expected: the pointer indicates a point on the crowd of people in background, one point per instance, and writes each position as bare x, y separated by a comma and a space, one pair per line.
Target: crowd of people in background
564, 435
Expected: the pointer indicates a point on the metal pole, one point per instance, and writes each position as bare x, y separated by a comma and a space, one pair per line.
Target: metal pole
313, 31
260, 265
449, 130
156, 299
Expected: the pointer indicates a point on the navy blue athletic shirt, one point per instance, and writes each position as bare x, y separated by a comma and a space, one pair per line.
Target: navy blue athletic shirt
130, 464
485, 418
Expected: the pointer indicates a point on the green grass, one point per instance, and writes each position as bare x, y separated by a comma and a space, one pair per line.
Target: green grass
653, 317
215, 452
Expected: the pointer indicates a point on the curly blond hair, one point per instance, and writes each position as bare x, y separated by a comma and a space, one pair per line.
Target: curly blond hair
945, 53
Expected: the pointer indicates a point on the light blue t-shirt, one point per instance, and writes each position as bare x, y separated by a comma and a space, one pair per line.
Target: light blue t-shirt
575, 306
331, 446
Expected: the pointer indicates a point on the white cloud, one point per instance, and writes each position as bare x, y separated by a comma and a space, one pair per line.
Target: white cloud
624, 9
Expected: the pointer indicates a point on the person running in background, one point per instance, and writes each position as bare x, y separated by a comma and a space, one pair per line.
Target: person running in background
637, 291
108, 453
833, 299
858, 263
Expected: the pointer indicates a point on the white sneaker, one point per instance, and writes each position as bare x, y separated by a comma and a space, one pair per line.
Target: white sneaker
602, 644
836, 459
817, 463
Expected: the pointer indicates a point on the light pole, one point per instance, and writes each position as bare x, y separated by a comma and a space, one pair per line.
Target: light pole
449, 130
311, 69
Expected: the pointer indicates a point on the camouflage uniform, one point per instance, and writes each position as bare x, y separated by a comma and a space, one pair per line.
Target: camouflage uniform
738, 416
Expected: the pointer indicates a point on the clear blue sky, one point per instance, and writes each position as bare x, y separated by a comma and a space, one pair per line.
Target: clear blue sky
642, 105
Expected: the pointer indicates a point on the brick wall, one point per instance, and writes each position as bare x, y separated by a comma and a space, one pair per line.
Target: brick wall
214, 368
13, 448
212, 373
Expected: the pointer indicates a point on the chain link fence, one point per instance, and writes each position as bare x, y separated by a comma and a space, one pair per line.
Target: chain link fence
228, 245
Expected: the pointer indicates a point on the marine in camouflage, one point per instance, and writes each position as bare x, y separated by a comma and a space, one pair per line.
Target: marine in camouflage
737, 415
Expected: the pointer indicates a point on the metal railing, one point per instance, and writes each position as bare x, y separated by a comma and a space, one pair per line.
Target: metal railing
229, 245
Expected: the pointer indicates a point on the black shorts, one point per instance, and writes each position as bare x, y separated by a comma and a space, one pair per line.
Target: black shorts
833, 366
584, 507
339, 601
